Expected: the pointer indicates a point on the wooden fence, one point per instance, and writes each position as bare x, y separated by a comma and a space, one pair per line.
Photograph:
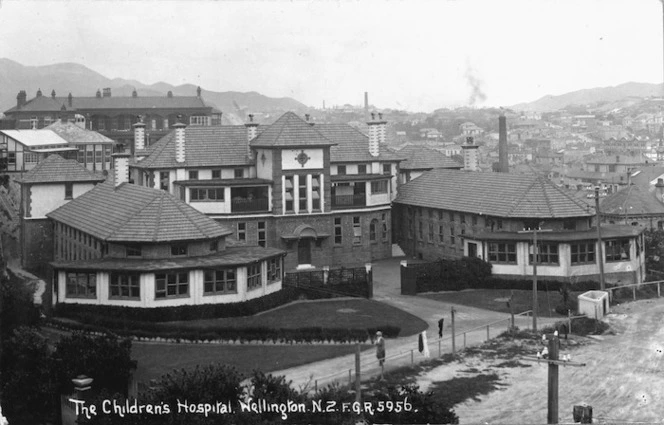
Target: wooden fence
343, 281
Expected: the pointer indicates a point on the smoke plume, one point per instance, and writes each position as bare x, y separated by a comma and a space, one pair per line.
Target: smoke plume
475, 85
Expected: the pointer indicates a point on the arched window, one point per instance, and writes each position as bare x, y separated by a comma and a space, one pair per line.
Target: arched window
372, 230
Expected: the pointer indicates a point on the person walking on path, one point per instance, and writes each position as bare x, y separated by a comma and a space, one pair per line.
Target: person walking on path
380, 352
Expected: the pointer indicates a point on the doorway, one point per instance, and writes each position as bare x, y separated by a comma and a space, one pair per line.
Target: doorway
304, 251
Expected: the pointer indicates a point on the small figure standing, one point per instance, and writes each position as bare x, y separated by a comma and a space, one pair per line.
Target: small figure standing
380, 352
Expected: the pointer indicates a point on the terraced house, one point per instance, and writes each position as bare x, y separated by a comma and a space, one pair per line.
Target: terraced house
128, 245
321, 192
450, 214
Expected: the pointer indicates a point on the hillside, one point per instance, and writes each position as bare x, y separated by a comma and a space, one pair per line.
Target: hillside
82, 81
591, 96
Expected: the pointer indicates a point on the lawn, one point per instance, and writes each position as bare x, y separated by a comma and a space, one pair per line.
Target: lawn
495, 299
355, 313
155, 360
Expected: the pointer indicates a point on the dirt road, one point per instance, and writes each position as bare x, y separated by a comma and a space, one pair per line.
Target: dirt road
623, 380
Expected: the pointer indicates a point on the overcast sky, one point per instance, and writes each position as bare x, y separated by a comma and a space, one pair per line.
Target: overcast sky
417, 54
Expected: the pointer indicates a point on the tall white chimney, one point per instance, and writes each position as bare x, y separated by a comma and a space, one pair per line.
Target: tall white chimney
120, 168
252, 128
377, 130
179, 142
470, 155
139, 136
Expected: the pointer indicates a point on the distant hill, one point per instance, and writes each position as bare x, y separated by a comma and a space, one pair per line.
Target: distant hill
591, 96
81, 81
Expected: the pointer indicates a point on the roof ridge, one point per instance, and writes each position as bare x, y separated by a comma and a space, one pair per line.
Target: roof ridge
546, 195
155, 234
517, 201
158, 149
182, 208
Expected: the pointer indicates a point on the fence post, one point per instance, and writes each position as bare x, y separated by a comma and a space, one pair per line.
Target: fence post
369, 278
454, 336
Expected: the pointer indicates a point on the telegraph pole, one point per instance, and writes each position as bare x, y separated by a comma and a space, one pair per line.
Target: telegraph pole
535, 255
600, 255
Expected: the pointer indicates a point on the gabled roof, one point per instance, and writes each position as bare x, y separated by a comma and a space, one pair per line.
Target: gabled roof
290, 130
56, 169
351, 144
204, 147
74, 134
31, 138
633, 200
423, 158
49, 104
496, 194
132, 213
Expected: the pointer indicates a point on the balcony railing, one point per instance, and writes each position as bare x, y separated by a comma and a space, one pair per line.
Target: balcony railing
358, 200
249, 205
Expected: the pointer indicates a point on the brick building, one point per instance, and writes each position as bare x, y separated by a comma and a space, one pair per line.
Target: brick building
321, 192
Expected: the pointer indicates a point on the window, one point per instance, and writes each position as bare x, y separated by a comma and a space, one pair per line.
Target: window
179, 249
430, 232
341, 170
337, 231
383, 218
163, 180
315, 192
302, 193
238, 173
379, 186
372, 230
547, 254
474, 220
441, 234
569, 225
387, 169
440, 214
242, 232
11, 158
617, 250
69, 190
274, 270
31, 157
133, 251
222, 281
361, 168
214, 246
288, 188
261, 234
502, 252
193, 175
254, 276
430, 212
420, 232
171, 285
81, 285
206, 194
125, 286
462, 218
452, 239
583, 253
198, 120
216, 174
357, 231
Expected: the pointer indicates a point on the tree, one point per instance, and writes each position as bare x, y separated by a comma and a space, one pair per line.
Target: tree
16, 305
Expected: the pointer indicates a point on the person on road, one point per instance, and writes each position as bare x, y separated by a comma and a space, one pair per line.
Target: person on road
380, 352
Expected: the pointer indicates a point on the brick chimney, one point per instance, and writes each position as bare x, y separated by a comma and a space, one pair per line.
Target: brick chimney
107, 92
503, 161
98, 94
39, 92
134, 93
198, 91
307, 117
139, 136
179, 142
252, 128
21, 99
377, 129
53, 94
120, 168
470, 155
70, 100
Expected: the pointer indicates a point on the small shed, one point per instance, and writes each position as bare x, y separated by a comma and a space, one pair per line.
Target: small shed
594, 304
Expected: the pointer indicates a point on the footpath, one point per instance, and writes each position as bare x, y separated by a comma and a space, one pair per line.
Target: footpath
404, 350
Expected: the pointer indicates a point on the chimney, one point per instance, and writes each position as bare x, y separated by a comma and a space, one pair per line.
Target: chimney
120, 168
366, 105
179, 141
169, 94
63, 115
107, 92
52, 94
503, 161
39, 93
470, 155
139, 136
134, 93
70, 100
98, 93
377, 130
21, 99
307, 117
252, 128
198, 91
659, 189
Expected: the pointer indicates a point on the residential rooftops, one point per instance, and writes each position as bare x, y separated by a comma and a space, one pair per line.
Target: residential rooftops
56, 169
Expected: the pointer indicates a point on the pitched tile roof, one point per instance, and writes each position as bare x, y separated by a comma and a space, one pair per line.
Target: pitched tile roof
204, 147
74, 134
49, 104
55, 169
423, 158
290, 130
632, 200
132, 213
496, 194
351, 144
31, 138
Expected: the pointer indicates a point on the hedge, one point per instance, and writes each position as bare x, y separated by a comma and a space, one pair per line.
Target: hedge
217, 333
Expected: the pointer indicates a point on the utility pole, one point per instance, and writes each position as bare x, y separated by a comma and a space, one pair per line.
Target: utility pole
600, 255
535, 255
552, 383
453, 333
358, 378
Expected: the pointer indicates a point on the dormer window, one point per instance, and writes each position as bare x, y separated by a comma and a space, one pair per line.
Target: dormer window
341, 170
193, 175
361, 168
239, 173
69, 190
179, 249
133, 251
216, 174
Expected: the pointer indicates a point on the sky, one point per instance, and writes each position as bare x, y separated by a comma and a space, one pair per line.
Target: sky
417, 55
